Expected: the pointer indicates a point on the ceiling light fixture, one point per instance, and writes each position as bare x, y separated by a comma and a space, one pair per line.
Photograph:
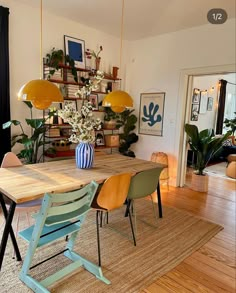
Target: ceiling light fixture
40, 92
119, 100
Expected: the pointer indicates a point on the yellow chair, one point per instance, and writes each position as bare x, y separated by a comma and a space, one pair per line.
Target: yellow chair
162, 158
112, 195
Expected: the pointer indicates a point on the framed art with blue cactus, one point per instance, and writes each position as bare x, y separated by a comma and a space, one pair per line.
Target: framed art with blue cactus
151, 113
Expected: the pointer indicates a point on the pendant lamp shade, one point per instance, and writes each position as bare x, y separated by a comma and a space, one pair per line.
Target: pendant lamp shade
41, 93
118, 101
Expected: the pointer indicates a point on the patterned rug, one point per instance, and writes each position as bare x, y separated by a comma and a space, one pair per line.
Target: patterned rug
160, 247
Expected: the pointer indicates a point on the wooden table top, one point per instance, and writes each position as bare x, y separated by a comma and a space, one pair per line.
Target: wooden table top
29, 182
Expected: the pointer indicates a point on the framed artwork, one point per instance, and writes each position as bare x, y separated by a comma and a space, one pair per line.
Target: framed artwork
99, 138
196, 96
151, 113
75, 48
93, 98
72, 103
194, 112
209, 104
203, 102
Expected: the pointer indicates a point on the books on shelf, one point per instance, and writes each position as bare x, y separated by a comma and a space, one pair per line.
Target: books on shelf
53, 132
56, 75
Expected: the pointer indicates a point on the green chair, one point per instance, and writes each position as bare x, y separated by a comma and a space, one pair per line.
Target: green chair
143, 184
61, 214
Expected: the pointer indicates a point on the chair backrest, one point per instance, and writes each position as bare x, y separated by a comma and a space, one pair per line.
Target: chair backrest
114, 191
162, 158
10, 160
144, 183
62, 207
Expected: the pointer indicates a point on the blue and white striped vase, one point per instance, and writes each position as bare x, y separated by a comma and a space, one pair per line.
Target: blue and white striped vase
84, 154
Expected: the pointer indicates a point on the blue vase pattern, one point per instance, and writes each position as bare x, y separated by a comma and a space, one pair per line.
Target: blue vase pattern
84, 154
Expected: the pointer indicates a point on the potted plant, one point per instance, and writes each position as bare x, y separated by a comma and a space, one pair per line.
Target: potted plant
32, 143
204, 145
128, 137
55, 58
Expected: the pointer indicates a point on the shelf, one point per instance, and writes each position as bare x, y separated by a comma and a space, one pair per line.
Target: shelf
60, 154
66, 82
105, 147
69, 67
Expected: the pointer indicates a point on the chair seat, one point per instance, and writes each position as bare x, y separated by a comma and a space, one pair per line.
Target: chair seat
56, 231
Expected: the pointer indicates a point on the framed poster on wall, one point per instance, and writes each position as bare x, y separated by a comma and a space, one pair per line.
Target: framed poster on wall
151, 113
203, 102
75, 48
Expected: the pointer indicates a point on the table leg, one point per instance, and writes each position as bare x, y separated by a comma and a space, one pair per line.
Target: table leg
8, 230
159, 200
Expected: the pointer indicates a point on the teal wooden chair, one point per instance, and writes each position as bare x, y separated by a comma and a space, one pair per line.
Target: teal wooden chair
61, 214
143, 184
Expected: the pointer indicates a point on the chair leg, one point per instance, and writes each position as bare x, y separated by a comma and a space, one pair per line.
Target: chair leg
159, 200
153, 207
131, 223
98, 238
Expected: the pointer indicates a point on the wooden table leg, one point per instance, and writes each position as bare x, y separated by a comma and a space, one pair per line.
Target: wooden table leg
8, 230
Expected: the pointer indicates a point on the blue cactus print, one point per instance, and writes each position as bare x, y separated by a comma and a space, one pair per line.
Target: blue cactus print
151, 116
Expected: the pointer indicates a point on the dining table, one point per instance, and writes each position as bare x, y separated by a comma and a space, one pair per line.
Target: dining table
25, 183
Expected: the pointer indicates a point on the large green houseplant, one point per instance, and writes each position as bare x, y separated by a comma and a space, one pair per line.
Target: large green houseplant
204, 145
34, 143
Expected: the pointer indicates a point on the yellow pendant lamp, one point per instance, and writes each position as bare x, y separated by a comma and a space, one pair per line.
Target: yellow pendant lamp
40, 92
118, 100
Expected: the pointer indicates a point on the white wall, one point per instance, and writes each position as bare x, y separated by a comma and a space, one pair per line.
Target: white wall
155, 65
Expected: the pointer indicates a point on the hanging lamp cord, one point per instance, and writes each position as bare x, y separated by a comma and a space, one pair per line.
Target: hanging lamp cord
121, 31
41, 39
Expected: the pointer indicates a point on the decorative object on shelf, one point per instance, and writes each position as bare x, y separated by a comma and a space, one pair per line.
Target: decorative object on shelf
61, 145
119, 100
99, 138
204, 145
115, 71
71, 103
83, 131
93, 98
112, 140
32, 144
88, 55
97, 58
75, 48
151, 113
40, 92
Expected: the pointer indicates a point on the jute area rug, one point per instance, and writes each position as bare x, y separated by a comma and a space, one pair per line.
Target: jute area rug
130, 269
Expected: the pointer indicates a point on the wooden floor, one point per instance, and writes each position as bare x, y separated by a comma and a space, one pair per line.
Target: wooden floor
211, 268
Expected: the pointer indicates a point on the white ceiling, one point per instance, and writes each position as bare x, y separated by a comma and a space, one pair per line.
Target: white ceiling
142, 18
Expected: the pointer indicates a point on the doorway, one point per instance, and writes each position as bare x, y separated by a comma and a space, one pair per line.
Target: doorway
189, 79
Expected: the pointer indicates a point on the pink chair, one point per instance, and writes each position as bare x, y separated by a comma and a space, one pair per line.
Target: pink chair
11, 160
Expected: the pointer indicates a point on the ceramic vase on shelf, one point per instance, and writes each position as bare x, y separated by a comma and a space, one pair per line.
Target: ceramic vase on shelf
84, 154
97, 63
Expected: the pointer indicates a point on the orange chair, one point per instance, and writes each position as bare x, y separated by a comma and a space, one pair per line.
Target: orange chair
112, 195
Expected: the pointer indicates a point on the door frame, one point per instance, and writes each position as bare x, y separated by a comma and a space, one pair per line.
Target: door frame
185, 90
